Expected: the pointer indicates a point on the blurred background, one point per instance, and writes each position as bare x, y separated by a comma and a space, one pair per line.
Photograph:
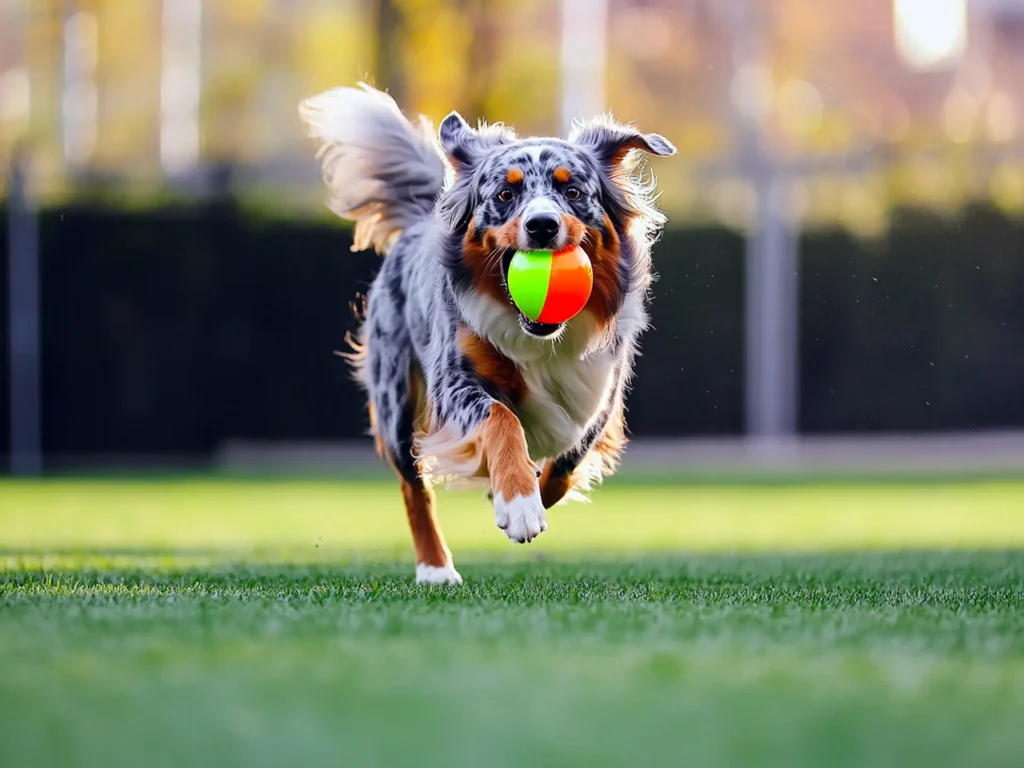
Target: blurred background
841, 282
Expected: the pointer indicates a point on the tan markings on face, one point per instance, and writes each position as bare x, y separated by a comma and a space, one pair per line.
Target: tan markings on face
562, 175
514, 176
482, 252
574, 228
505, 236
602, 246
492, 366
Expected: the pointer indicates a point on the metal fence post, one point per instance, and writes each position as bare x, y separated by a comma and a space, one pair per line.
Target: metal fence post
772, 326
23, 306
772, 262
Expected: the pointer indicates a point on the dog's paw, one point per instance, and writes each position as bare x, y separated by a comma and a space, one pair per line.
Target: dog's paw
521, 517
435, 574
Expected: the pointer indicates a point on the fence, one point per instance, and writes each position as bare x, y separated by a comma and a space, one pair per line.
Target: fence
778, 121
168, 331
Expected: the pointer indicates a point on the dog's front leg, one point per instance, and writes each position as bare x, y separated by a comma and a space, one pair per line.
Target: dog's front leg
518, 509
480, 436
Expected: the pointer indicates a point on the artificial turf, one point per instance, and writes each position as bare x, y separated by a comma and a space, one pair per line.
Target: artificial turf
205, 622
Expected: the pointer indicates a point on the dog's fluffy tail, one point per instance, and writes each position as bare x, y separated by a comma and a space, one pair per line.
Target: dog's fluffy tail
383, 171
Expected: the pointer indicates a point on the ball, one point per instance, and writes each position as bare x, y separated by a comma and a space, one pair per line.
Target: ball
550, 287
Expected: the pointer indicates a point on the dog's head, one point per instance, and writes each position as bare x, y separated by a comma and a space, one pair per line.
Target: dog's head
508, 194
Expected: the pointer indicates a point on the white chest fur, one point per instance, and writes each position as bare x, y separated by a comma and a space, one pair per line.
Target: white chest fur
569, 381
565, 394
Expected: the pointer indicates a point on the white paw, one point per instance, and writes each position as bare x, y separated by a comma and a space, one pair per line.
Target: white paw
434, 574
522, 517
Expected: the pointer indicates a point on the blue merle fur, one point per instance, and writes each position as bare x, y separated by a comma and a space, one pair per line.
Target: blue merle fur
417, 302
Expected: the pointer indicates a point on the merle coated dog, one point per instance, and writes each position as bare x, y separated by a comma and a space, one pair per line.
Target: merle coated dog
460, 383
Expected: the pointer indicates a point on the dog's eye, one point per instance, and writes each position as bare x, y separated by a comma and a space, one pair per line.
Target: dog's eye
572, 193
506, 195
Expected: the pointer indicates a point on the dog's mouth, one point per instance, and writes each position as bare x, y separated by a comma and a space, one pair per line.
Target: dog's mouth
530, 327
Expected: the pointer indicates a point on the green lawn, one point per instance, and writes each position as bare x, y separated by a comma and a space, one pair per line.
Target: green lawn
248, 623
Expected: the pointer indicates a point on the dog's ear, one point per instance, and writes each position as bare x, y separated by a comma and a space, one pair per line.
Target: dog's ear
463, 144
456, 137
612, 142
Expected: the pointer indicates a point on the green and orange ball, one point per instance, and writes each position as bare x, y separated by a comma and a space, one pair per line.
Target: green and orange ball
551, 287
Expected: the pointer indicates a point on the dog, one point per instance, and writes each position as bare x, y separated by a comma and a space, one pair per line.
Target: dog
460, 383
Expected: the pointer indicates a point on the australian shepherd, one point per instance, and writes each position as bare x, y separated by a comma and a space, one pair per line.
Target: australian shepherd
460, 383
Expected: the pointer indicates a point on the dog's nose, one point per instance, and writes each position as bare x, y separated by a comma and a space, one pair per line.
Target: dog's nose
542, 227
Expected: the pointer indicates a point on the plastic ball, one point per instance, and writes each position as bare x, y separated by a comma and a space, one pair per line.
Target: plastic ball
550, 287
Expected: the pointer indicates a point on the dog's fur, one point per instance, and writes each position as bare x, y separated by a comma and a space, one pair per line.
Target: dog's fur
460, 383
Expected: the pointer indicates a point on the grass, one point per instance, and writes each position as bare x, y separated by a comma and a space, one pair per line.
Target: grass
211, 622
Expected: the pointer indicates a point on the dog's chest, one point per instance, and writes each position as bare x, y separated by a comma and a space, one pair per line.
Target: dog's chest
564, 395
